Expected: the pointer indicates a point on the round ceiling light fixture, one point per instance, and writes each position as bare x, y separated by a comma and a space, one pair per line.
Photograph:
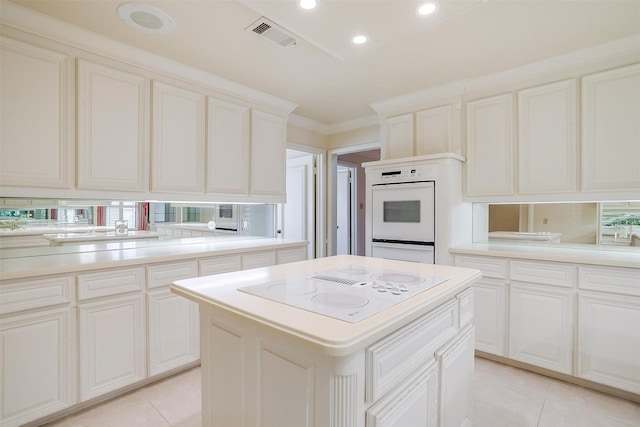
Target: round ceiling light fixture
359, 39
307, 4
146, 18
426, 9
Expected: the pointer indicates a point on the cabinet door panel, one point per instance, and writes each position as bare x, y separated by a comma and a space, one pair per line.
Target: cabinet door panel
413, 404
456, 374
36, 116
490, 146
433, 131
178, 140
268, 155
541, 326
112, 128
398, 137
173, 331
258, 259
547, 125
489, 315
611, 130
227, 148
38, 362
609, 340
112, 345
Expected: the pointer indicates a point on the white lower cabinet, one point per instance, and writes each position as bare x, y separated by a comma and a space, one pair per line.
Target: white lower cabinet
38, 365
455, 362
258, 259
112, 344
609, 339
173, 331
489, 315
541, 326
415, 404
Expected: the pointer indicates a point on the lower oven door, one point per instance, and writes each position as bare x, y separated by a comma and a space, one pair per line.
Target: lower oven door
403, 252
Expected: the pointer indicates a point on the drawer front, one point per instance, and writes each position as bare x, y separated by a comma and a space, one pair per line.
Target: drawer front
221, 264
284, 256
110, 282
164, 274
610, 279
490, 267
258, 259
48, 292
546, 273
391, 359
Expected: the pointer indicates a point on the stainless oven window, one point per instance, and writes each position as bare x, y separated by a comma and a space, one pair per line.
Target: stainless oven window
225, 211
407, 211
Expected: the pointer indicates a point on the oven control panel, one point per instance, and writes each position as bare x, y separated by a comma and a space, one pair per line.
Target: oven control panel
401, 174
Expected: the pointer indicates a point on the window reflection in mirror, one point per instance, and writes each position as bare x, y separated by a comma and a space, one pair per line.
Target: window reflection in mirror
595, 223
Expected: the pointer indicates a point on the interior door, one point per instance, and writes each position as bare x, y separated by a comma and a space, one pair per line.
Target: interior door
297, 216
343, 205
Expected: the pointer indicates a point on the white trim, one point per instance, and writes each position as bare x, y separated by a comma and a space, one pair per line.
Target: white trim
309, 124
358, 123
427, 98
27, 20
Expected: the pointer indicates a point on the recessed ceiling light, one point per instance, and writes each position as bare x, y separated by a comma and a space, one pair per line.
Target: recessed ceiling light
146, 18
426, 9
307, 4
359, 39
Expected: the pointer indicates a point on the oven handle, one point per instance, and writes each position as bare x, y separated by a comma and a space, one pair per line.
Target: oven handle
412, 183
404, 242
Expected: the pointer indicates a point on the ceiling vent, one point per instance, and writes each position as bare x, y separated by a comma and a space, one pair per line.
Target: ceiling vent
272, 32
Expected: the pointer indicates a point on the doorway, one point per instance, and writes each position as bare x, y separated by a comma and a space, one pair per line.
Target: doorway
297, 218
350, 157
346, 210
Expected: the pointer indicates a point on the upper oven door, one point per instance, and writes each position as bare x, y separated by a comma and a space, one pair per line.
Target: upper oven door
403, 212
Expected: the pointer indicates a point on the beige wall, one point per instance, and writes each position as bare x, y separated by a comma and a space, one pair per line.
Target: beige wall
504, 217
578, 222
306, 137
360, 136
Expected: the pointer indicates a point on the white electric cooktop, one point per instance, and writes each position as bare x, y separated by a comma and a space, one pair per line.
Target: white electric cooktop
350, 293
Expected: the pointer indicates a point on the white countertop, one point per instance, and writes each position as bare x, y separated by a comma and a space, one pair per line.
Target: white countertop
29, 262
326, 334
580, 254
97, 236
39, 230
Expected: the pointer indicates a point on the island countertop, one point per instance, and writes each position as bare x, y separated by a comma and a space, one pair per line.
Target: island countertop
325, 334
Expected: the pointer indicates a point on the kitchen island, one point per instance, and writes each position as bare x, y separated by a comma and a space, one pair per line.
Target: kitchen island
269, 363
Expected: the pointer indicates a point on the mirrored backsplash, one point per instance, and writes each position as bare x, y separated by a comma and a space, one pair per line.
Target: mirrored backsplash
609, 225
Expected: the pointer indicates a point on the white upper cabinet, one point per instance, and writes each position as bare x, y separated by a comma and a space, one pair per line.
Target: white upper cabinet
611, 130
433, 131
490, 155
398, 137
178, 140
113, 136
547, 126
228, 141
36, 116
268, 155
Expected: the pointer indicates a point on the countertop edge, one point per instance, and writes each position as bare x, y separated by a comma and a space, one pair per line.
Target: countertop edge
546, 253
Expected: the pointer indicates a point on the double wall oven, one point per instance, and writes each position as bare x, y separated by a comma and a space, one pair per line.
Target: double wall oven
403, 215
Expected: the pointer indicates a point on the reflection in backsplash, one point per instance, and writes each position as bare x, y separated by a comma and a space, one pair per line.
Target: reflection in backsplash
596, 223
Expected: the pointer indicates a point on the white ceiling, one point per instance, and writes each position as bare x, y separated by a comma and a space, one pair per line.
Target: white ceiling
333, 81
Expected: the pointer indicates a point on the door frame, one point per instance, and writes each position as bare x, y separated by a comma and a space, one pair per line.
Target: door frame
320, 194
332, 170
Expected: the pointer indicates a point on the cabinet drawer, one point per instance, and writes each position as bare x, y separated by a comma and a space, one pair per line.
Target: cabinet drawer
258, 259
490, 267
546, 273
165, 274
110, 282
221, 264
284, 256
51, 291
615, 280
391, 359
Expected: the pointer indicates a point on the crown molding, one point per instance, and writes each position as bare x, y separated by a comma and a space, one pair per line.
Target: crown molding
415, 101
612, 54
309, 124
36, 23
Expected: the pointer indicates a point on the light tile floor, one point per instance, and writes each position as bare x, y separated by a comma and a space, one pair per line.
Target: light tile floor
503, 397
